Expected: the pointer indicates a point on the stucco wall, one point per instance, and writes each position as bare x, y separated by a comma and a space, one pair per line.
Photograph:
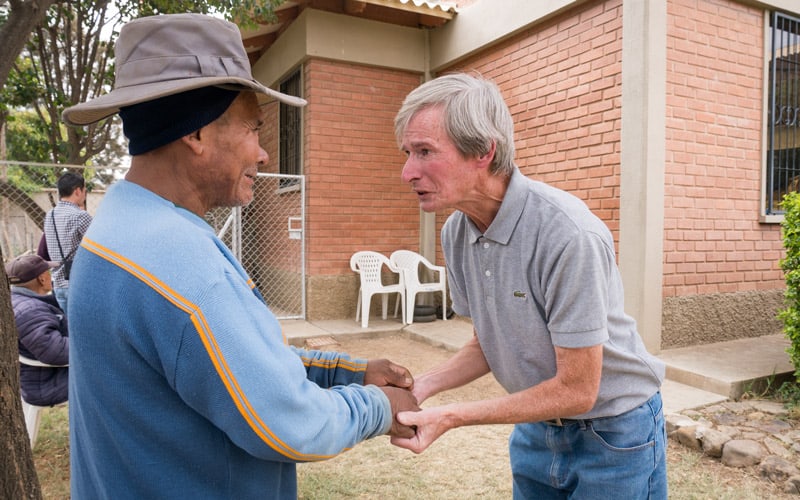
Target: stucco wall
333, 297
19, 233
701, 319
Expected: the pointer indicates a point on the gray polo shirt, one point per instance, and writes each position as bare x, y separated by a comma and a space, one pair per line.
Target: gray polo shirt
545, 274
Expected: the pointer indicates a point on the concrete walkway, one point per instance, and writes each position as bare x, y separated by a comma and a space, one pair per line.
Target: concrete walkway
696, 376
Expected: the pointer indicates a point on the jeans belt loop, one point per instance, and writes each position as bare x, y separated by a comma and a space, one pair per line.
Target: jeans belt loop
555, 421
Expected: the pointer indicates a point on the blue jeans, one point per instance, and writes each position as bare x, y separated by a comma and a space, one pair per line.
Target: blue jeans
615, 457
61, 297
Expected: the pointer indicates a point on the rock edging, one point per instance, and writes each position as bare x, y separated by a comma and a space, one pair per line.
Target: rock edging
755, 433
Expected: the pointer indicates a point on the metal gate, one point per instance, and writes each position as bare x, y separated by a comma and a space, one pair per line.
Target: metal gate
268, 238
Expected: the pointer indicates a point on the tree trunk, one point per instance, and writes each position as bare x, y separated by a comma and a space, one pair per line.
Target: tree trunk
14, 33
18, 479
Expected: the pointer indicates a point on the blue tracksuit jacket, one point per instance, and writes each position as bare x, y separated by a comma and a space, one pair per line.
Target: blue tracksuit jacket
181, 382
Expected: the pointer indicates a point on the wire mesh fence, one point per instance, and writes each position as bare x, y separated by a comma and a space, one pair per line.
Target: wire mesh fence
28, 191
267, 236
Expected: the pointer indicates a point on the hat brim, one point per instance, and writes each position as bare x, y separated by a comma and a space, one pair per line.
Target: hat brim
108, 104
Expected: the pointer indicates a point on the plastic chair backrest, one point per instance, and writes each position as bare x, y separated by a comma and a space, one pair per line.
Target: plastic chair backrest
369, 265
409, 262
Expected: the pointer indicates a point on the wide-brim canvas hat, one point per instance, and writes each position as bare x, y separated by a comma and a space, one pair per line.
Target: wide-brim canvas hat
162, 55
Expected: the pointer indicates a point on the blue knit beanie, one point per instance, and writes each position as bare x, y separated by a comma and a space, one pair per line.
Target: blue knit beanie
152, 124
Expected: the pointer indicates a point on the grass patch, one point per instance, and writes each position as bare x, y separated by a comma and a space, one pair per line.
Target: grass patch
466, 463
781, 391
51, 453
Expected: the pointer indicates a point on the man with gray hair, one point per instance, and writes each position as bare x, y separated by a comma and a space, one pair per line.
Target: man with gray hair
182, 384
536, 271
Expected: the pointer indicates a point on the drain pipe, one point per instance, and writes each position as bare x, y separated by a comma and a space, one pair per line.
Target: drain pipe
427, 220
428, 235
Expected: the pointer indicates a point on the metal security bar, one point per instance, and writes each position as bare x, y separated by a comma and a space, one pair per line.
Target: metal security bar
290, 131
783, 156
268, 238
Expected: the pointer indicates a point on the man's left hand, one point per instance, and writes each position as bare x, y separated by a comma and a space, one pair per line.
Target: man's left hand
382, 372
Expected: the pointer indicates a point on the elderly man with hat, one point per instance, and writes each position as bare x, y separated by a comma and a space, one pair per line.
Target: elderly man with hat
182, 383
42, 330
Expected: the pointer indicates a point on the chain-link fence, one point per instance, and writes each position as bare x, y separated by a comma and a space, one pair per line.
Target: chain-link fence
28, 191
267, 236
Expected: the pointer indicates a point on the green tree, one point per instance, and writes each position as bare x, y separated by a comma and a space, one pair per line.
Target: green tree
790, 264
26, 138
27, 141
69, 59
18, 18
72, 62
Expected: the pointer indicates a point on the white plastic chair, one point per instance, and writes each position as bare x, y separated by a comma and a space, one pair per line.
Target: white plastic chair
369, 265
32, 413
409, 263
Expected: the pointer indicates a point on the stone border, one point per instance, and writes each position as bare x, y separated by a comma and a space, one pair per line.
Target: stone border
754, 433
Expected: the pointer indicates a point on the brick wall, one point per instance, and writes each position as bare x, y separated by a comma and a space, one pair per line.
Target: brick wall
355, 199
269, 137
561, 80
713, 242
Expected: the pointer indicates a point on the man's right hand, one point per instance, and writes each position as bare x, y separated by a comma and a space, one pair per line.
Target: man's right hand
401, 400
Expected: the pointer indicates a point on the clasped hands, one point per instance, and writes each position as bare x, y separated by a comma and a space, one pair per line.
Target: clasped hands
412, 428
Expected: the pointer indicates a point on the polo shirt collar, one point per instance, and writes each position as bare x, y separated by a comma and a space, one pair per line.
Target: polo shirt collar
502, 227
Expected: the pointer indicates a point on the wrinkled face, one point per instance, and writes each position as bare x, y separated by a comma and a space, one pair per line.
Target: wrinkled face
437, 172
234, 154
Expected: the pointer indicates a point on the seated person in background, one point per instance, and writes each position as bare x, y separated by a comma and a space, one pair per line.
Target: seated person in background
42, 330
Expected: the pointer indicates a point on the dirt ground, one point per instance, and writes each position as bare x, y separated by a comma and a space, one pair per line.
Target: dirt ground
465, 463
473, 462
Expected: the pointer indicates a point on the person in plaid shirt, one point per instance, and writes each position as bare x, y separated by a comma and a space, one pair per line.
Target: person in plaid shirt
64, 227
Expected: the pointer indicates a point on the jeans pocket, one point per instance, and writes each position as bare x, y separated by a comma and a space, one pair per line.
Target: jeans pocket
626, 441
631, 431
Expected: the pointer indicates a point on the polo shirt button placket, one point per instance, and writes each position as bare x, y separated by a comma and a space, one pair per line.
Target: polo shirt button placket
488, 273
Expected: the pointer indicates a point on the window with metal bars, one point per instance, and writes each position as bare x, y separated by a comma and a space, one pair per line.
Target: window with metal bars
290, 132
783, 155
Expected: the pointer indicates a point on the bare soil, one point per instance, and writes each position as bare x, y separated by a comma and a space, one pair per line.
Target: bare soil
472, 462
465, 463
